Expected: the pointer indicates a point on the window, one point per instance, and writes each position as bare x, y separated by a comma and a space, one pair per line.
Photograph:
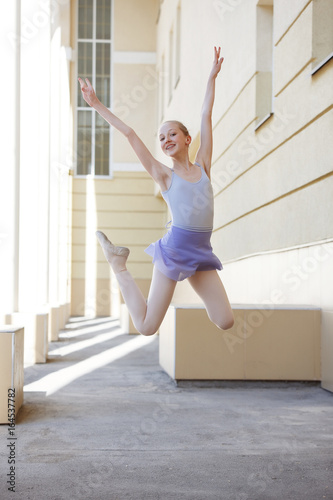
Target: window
94, 62
264, 60
322, 33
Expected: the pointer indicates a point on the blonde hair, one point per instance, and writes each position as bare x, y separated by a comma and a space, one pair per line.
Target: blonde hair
180, 125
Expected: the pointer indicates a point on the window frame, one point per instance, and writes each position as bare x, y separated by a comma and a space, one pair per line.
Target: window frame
320, 60
261, 6
89, 109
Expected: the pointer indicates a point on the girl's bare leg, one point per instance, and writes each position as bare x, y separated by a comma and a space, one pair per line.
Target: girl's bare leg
146, 316
210, 288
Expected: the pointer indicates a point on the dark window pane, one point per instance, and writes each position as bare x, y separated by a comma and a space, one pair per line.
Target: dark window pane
84, 130
84, 67
103, 72
85, 19
103, 19
102, 140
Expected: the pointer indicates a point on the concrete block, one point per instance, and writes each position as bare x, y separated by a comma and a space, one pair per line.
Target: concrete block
41, 342
54, 323
11, 368
193, 348
62, 316
35, 335
68, 311
327, 350
264, 344
283, 344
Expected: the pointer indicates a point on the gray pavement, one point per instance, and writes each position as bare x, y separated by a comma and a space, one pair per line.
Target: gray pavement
101, 420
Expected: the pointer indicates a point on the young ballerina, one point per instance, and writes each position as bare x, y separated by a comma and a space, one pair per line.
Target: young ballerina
185, 250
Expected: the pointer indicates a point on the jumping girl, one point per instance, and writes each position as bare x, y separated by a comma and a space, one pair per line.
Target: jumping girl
185, 250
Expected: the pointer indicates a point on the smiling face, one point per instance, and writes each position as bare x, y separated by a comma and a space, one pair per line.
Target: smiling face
173, 138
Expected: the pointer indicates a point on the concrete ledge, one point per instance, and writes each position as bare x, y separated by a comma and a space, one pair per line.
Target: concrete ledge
264, 344
35, 335
327, 350
54, 323
64, 314
68, 311
11, 368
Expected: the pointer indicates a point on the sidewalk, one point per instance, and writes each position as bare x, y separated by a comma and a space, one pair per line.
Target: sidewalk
102, 421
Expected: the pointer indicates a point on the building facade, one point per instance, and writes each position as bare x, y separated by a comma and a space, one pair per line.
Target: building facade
67, 174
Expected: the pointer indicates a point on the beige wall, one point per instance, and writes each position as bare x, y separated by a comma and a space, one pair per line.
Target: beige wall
272, 177
135, 25
135, 87
273, 183
126, 209
124, 205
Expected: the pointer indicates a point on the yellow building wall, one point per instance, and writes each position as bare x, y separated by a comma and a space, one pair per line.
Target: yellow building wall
273, 181
126, 209
135, 25
259, 176
123, 206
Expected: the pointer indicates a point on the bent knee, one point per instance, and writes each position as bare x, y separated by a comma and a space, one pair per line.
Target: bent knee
147, 330
225, 323
228, 323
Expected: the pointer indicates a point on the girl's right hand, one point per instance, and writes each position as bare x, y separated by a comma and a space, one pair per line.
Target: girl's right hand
88, 92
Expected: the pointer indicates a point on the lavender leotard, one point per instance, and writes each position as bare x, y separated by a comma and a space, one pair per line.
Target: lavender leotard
186, 247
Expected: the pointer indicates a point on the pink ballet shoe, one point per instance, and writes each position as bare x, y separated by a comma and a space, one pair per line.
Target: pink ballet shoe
116, 256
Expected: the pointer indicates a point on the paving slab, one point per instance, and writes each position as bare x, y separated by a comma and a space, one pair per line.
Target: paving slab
101, 420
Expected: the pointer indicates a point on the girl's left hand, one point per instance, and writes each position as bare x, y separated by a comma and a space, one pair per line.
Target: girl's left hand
217, 62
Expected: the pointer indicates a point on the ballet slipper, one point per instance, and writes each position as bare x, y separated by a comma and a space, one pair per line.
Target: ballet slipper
116, 256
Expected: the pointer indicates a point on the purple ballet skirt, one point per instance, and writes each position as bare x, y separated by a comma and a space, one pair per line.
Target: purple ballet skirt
181, 253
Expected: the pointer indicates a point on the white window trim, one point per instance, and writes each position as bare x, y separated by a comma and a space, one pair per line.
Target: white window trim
77, 108
129, 57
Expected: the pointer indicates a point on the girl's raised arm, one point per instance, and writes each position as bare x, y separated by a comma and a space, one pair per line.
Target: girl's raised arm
153, 167
204, 155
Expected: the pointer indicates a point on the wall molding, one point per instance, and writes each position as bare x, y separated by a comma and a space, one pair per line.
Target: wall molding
127, 167
127, 57
280, 250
